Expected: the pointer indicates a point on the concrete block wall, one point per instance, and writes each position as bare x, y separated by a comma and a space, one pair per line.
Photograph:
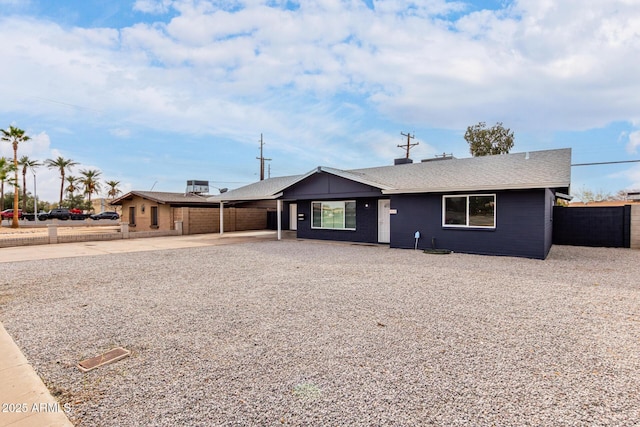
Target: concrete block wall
250, 219
200, 220
207, 220
635, 227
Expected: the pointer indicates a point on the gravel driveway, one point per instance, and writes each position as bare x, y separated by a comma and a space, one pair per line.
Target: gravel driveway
312, 333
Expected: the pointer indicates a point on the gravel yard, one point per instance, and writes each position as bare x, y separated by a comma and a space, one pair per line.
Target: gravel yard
312, 333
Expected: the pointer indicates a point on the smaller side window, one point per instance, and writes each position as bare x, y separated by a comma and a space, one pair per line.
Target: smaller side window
154, 216
132, 215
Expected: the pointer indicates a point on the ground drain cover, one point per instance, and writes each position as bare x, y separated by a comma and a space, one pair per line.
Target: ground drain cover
109, 357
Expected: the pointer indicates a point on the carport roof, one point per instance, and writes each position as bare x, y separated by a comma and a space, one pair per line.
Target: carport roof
535, 169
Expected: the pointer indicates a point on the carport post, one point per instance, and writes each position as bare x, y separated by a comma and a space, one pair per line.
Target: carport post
279, 207
221, 217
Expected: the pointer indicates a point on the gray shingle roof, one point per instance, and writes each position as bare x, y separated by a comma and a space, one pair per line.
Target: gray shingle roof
535, 169
165, 197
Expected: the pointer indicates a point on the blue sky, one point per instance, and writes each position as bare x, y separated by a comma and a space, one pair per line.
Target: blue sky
157, 92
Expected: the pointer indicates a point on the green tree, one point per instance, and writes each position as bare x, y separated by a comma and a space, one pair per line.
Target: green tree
26, 163
485, 141
15, 136
113, 190
62, 165
6, 167
72, 185
78, 202
90, 182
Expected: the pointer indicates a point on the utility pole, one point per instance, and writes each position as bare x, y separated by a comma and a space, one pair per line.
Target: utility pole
408, 145
262, 159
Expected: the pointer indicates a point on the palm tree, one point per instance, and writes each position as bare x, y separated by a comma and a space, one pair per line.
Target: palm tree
72, 182
113, 189
90, 182
15, 136
27, 163
62, 165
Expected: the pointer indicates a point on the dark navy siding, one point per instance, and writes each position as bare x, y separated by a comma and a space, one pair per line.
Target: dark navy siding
323, 186
366, 223
520, 225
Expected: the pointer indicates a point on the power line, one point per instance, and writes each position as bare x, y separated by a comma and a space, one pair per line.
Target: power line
605, 163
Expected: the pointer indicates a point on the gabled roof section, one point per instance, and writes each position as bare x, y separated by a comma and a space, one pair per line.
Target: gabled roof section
357, 176
164, 197
269, 189
535, 169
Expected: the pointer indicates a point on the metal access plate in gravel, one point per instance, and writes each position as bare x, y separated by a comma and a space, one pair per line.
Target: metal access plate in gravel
110, 356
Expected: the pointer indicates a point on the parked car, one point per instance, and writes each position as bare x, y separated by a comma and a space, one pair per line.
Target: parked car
106, 215
8, 214
61, 213
42, 216
65, 214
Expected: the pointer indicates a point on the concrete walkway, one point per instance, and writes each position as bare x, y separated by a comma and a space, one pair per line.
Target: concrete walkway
25, 399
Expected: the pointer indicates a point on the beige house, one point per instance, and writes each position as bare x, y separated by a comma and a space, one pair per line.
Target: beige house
156, 210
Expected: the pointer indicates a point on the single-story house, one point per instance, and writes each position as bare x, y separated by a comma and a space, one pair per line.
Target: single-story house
158, 210
495, 205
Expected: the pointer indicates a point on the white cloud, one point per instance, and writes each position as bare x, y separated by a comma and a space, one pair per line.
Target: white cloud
633, 175
634, 142
152, 6
551, 64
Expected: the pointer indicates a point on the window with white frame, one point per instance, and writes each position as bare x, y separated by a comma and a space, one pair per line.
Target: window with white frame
334, 215
469, 211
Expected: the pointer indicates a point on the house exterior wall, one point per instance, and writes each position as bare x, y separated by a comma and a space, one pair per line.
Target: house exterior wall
143, 219
523, 218
328, 187
194, 220
520, 225
366, 223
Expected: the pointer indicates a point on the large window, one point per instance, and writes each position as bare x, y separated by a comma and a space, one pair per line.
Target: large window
473, 211
334, 215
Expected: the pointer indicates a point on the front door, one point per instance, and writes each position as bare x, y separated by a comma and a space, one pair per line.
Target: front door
384, 221
293, 216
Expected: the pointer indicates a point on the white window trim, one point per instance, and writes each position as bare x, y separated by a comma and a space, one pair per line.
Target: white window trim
467, 226
344, 219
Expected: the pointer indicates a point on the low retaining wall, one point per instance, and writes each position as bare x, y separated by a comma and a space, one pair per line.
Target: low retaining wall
53, 237
23, 241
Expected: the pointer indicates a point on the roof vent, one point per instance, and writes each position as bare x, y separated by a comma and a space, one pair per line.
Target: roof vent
402, 161
443, 156
526, 155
